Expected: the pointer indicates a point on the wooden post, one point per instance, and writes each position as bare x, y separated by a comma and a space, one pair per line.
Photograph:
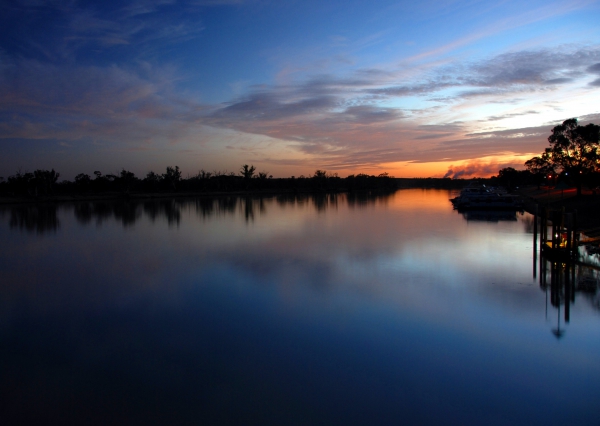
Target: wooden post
568, 223
543, 228
535, 231
567, 292
575, 234
535, 224
554, 230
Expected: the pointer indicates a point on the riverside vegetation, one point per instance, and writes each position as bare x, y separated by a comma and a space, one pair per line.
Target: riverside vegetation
573, 159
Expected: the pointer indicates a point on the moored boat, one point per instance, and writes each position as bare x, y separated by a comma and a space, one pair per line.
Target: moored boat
484, 198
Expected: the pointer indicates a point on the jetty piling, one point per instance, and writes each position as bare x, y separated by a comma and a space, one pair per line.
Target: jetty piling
562, 242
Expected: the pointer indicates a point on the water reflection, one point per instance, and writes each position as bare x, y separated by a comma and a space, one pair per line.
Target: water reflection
34, 218
42, 218
169, 209
489, 215
394, 304
561, 282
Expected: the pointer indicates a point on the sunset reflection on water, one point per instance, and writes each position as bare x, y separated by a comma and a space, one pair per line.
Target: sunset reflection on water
327, 309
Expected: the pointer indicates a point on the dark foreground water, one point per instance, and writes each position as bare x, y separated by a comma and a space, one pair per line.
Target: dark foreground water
290, 311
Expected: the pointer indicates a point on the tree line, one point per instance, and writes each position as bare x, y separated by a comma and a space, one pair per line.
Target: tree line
45, 182
573, 156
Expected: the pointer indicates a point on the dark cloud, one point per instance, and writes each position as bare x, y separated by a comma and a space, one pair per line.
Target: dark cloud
560, 80
534, 67
412, 90
434, 136
589, 118
595, 83
478, 93
511, 133
594, 69
267, 106
367, 114
510, 115
437, 131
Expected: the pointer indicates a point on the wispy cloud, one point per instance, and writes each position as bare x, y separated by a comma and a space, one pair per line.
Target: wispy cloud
80, 72
74, 28
344, 121
509, 115
41, 101
345, 116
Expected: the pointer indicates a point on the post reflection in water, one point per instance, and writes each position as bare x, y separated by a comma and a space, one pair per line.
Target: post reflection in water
563, 280
331, 309
564, 276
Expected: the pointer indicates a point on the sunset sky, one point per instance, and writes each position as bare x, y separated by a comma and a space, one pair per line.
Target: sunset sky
427, 88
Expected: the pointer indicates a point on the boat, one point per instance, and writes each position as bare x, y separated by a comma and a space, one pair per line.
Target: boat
480, 197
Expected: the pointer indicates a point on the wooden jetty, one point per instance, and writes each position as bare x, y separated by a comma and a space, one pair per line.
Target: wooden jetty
559, 235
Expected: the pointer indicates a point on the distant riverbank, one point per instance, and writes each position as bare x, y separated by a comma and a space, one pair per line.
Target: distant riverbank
231, 186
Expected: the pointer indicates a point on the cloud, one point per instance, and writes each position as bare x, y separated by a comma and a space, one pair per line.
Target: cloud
594, 69
365, 117
507, 73
502, 75
509, 115
70, 103
348, 119
268, 106
68, 30
343, 122
434, 136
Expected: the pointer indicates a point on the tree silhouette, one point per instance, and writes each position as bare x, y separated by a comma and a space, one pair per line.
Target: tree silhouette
320, 174
541, 166
511, 178
172, 177
247, 171
44, 181
127, 179
575, 149
82, 181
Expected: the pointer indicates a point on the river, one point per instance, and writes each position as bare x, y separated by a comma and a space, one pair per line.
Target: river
291, 310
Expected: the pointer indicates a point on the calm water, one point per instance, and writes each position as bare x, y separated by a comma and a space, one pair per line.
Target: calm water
283, 311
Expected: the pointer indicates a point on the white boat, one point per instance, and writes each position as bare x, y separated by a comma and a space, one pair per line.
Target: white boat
480, 197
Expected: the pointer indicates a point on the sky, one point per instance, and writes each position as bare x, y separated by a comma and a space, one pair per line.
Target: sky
415, 89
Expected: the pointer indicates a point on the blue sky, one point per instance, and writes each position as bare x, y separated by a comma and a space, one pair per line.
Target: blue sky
430, 88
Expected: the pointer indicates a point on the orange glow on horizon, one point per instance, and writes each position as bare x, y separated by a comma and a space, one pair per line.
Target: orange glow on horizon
483, 167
